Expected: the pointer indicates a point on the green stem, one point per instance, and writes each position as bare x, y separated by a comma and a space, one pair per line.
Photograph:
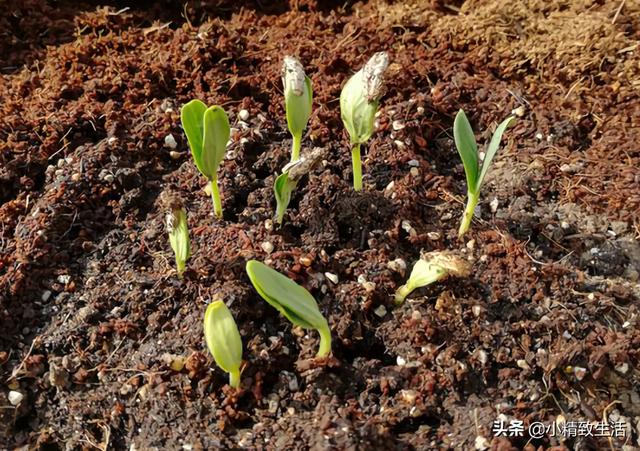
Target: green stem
234, 378
180, 267
295, 146
472, 201
356, 163
215, 195
325, 342
402, 293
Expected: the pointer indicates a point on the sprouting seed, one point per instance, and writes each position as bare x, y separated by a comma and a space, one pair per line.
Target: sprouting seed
359, 101
178, 230
223, 340
430, 268
298, 101
208, 132
291, 300
475, 174
286, 182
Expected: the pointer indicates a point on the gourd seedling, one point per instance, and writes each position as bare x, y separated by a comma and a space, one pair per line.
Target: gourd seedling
359, 101
291, 300
475, 174
176, 222
208, 132
430, 268
286, 182
223, 340
298, 100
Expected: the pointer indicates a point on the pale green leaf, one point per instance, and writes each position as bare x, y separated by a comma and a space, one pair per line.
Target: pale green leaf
192, 116
493, 148
467, 148
214, 141
222, 337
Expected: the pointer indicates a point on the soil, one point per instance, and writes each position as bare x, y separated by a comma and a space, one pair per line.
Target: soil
104, 343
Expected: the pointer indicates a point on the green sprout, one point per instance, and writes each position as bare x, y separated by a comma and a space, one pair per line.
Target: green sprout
359, 103
430, 268
298, 100
208, 132
223, 340
176, 222
291, 300
286, 182
468, 150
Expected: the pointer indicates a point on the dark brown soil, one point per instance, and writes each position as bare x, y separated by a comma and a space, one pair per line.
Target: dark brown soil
95, 322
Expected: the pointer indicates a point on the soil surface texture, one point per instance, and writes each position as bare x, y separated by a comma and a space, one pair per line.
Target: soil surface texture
101, 344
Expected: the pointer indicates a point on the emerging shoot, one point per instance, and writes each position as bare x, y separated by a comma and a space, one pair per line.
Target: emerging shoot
298, 100
208, 132
468, 150
359, 103
430, 268
176, 222
286, 182
223, 340
291, 300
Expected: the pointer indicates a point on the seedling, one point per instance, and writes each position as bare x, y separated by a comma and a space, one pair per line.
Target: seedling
223, 340
286, 182
468, 150
359, 103
208, 132
298, 100
430, 268
291, 300
176, 222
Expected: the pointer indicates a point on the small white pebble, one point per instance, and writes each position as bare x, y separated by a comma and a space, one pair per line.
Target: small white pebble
520, 111
399, 144
170, 141
420, 110
522, 363
400, 361
15, 397
175, 155
579, 372
434, 236
565, 225
243, 115
397, 125
481, 443
111, 141
64, 279
415, 172
494, 204
332, 277
390, 185
268, 224
414, 163
380, 311
483, 358
416, 315
539, 136
477, 310
267, 246
623, 368
471, 244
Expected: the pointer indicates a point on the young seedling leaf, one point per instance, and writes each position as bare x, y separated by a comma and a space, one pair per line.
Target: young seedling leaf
430, 268
223, 340
493, 148
192, 115
214, 141
283, 187
286, 182
359, 101
293, 301
467, 148
298, 100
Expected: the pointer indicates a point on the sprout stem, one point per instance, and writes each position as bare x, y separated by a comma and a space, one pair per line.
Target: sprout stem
180, 267
234, 378
402, 293
325, 342
467, 216
357, 167
215, 196
295, 146
280, 210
